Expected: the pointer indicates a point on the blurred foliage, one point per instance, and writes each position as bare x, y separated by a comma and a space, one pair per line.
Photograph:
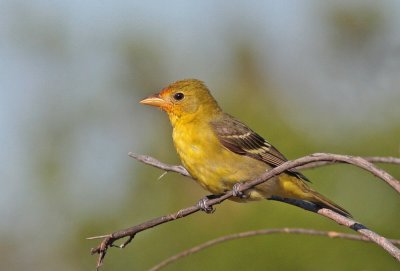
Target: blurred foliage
79, 181
355, 26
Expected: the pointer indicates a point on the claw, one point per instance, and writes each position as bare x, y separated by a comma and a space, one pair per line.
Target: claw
236, 191
203, 205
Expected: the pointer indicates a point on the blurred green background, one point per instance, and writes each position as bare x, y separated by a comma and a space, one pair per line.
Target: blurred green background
310, 76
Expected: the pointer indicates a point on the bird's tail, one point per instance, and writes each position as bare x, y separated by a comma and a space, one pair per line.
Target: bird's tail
324, 202
296, 188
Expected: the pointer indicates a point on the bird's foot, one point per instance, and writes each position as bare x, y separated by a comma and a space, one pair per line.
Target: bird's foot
203, 204
236, 191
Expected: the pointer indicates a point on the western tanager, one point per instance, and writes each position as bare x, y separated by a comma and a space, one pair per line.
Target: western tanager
219, 151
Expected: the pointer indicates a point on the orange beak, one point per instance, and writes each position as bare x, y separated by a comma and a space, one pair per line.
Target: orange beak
155, 100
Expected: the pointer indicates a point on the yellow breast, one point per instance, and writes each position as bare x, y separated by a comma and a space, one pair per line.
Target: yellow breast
213, 166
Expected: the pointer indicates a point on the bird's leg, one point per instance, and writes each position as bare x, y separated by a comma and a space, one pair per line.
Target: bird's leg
236, 191
203, 204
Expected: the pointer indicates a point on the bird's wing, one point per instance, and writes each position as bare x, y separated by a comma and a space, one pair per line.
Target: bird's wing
240, 139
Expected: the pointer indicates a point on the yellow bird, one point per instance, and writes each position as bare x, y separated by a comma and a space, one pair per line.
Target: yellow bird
219, 151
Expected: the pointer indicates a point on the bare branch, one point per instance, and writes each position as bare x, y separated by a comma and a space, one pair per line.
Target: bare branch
181, 170
155, 163
357, 161
371, 159
311, 161
222, 239
380, 159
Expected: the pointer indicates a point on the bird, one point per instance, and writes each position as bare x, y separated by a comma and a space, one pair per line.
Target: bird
220, 152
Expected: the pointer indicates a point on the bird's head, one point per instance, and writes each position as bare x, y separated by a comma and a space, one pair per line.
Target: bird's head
184, 99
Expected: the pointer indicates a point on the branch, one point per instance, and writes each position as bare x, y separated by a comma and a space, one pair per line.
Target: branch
181, 170
371, 159
155, 163
108, 240
210, 243
311, 161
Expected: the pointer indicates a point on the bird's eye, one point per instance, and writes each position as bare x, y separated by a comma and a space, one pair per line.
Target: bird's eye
179, 96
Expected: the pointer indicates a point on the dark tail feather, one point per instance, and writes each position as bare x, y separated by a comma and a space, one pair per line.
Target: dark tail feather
323, 202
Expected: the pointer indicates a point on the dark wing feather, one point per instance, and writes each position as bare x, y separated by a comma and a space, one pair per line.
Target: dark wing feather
240, 139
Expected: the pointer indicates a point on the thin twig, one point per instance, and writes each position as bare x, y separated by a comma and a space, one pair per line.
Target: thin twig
235, 236
357, 161
155, 163
371, 159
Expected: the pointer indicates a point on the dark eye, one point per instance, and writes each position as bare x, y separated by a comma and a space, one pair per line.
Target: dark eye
178, 96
